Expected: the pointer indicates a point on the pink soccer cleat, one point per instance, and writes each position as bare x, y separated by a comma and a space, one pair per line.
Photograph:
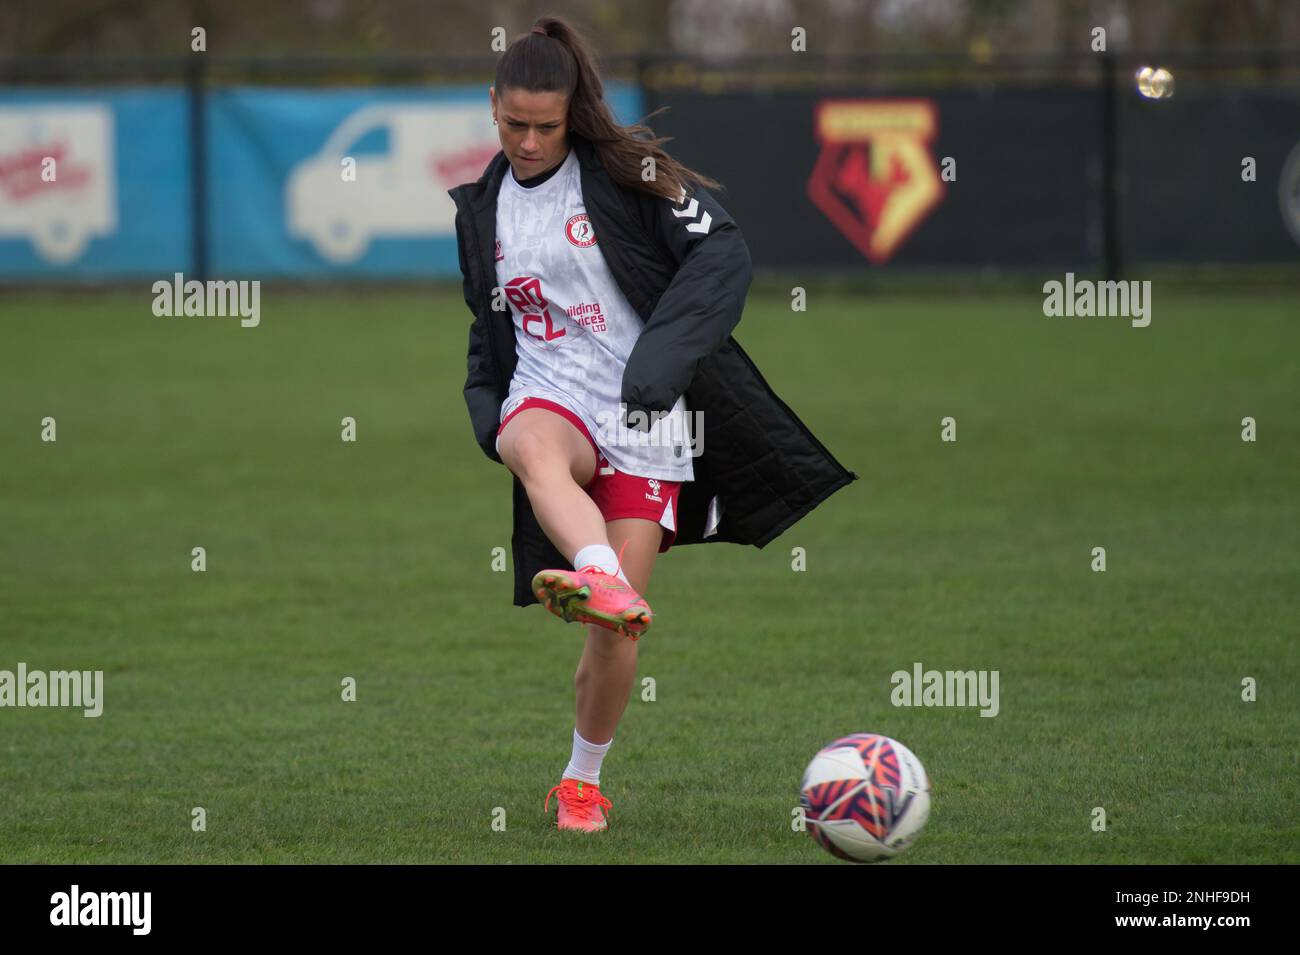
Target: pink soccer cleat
579, 806
590, 595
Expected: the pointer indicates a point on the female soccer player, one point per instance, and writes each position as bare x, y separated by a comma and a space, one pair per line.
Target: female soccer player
623, 278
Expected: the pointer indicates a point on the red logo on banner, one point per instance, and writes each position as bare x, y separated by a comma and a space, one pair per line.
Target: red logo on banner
875, 178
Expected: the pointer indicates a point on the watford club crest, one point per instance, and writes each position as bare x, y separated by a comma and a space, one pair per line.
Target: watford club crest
875, 178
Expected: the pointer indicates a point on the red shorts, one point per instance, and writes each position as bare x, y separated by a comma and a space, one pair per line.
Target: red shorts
616, 493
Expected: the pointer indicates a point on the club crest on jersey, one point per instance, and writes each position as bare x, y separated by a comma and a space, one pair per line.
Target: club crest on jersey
578, 231
654, 491
500, 255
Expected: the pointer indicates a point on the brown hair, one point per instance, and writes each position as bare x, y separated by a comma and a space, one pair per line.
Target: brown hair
553, 57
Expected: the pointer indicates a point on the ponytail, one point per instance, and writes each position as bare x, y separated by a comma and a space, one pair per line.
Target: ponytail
553, 57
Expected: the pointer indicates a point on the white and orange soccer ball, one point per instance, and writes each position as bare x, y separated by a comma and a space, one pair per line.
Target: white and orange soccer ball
865, 797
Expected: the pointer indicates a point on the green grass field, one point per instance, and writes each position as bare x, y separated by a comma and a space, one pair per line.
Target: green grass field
372, 560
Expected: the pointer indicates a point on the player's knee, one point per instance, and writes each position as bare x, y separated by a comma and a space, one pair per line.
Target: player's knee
532, 456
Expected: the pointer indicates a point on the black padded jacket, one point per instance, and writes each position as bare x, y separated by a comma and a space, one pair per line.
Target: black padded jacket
685, 270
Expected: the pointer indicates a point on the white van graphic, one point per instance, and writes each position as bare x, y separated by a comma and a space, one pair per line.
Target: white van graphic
58, 213
400, 194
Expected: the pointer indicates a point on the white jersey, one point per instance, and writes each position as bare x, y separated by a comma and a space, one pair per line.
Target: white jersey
574, 328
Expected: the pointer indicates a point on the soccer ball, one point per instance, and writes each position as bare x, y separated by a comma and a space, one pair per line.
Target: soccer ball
865, 797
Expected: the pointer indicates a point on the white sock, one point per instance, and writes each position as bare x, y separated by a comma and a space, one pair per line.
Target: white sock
585, 762
603, 556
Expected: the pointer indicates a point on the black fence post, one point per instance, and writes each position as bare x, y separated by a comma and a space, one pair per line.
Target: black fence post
1111, 252
197, 89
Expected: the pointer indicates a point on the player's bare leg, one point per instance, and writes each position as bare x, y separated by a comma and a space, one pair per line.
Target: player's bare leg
607, 669
606, 674
554, 462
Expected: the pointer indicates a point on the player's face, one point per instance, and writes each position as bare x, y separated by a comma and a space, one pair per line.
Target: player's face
533, 129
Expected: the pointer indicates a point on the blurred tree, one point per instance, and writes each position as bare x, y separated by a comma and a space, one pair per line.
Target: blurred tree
715, 27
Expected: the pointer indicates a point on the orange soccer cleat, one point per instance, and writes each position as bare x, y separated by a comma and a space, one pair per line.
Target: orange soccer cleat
591, 595
580, 806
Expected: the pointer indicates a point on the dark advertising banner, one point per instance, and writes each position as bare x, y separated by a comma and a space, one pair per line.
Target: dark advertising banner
1210, 176
998, 178
955, 180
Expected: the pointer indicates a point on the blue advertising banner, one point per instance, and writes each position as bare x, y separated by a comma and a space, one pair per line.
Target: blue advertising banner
93, 183
304, 183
